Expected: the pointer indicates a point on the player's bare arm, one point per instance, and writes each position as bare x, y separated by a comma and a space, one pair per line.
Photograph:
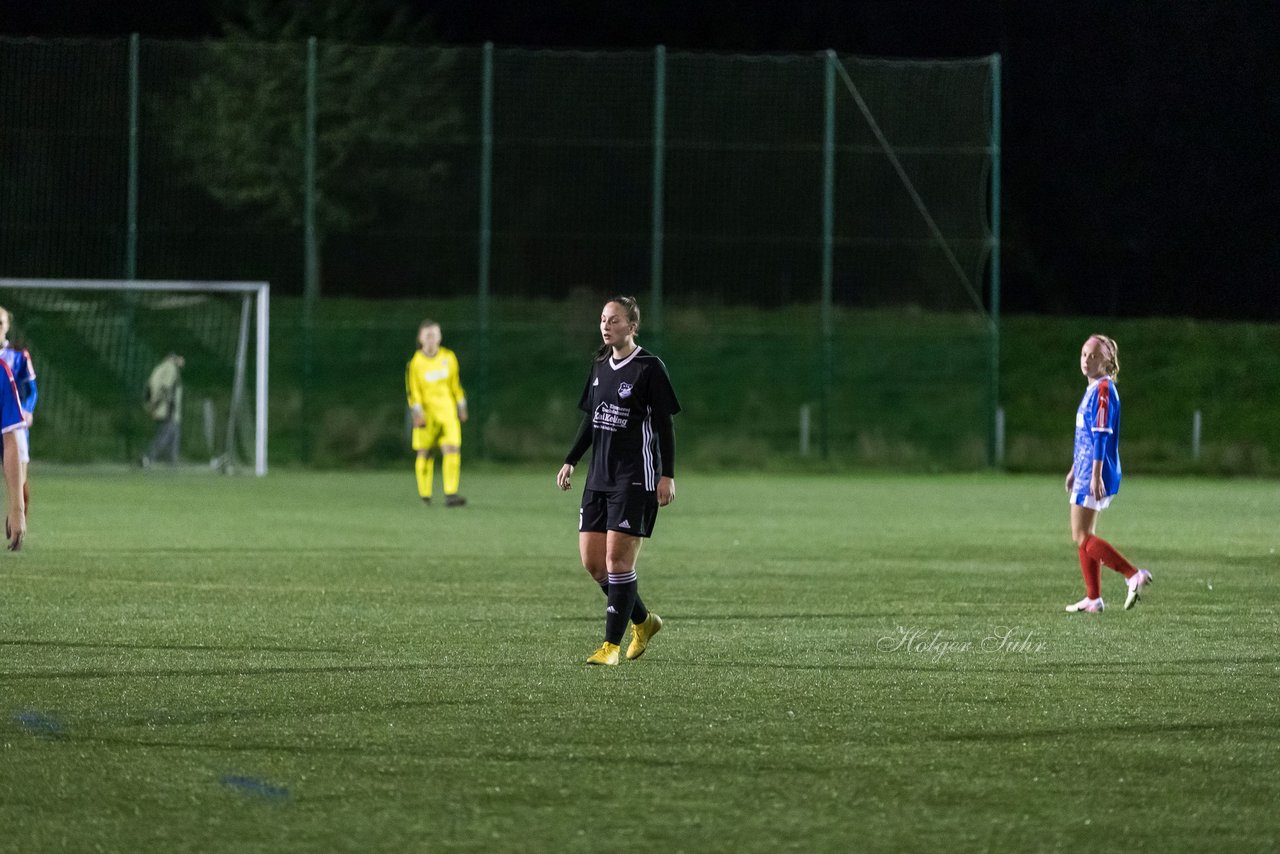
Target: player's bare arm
1096, 487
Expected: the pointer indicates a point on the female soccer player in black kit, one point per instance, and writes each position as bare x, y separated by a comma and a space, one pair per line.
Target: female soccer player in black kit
629, 404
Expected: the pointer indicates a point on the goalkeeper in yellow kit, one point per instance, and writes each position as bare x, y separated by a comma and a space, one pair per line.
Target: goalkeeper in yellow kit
439, 407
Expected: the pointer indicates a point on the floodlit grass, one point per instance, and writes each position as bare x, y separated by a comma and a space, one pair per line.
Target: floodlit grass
317, 662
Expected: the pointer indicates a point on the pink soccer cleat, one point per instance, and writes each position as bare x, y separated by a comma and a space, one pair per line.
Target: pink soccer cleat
1086, 605
1139, 580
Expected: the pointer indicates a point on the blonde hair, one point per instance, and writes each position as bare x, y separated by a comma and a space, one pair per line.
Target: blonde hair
1111, 353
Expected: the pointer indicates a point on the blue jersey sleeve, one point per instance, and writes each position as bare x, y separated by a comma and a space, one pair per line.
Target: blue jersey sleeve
1097, 438
25, 377
10, 407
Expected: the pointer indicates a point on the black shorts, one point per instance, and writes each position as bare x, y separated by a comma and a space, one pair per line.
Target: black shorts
631, 513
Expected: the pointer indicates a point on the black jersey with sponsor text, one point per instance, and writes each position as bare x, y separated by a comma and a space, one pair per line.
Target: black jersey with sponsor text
622, 398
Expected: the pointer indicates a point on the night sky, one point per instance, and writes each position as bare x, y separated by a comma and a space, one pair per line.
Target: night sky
1139, 175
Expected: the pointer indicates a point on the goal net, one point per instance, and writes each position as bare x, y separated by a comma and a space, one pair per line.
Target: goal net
94, 344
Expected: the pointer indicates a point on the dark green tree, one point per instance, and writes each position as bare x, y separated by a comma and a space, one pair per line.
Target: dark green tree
385, 111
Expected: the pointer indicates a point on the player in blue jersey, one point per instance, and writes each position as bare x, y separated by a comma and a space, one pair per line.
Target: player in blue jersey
12, 421
629, 405
24, 376
1094, 478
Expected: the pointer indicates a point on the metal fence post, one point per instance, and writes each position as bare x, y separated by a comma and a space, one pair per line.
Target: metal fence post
828, 241
485, 230
659, 182
997, 452
310, 247
131, 228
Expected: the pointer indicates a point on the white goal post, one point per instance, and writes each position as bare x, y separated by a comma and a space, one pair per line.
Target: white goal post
253, 317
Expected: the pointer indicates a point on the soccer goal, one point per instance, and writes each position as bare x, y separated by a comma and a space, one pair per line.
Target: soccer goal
95, 342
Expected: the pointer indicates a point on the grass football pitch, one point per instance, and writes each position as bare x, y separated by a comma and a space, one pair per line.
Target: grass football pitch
317, 662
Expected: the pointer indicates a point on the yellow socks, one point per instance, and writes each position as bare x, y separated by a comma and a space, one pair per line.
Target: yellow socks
424, 469
451, 469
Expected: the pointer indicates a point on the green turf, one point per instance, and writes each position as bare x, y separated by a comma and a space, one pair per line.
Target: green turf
317, 662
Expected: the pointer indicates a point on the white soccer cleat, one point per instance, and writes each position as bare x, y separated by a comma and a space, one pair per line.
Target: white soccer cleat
1086, 606
1140, 579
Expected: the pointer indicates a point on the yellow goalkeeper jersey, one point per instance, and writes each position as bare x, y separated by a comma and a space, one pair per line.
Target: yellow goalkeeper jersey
432, 384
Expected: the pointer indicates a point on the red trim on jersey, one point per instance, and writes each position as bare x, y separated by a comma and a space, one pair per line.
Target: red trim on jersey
1104, 398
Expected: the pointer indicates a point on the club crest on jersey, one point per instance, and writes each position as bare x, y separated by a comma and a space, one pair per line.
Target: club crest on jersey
624, 389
